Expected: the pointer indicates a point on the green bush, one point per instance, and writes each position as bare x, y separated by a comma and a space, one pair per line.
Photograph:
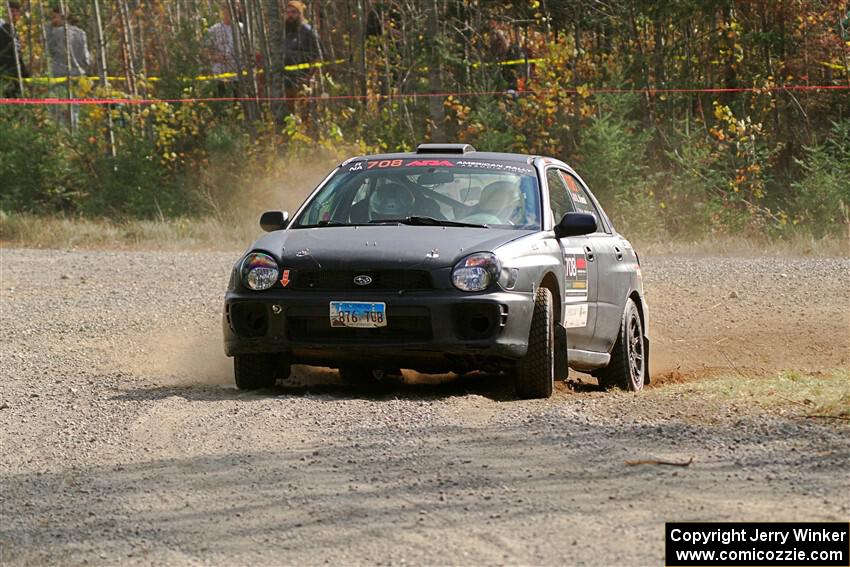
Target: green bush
134, 184
613, 161
721, 178
613, 155
35, 170
176, 160
822, 197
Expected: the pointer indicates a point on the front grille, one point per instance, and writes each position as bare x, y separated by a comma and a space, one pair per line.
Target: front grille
331, 280
404, 324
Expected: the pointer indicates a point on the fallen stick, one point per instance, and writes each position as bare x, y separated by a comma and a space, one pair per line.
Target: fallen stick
818, 416
659, 462
732, 364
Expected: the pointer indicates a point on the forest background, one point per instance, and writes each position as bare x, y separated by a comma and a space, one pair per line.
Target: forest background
688, 118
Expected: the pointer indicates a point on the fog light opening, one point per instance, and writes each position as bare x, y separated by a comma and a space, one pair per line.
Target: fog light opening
479, 323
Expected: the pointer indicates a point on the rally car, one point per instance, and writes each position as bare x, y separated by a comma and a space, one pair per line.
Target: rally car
446, 259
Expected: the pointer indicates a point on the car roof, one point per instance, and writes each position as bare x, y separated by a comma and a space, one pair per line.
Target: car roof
462, 151
518, 158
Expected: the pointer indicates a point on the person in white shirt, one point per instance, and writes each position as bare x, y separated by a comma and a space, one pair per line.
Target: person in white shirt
77, 40
66, 44
220, 50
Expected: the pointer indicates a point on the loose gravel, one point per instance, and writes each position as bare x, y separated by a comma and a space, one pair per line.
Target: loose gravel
123, 441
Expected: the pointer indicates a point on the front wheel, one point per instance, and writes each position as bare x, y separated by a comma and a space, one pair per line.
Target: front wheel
256, 371
627, 368
535, 372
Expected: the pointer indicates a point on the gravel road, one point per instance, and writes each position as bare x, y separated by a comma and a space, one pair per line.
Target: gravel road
122, 440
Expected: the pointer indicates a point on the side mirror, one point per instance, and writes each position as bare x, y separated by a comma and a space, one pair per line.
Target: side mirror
575, 224
274, 220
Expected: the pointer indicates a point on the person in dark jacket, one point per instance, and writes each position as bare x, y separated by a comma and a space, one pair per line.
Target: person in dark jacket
301, 47
10, 49
511, 75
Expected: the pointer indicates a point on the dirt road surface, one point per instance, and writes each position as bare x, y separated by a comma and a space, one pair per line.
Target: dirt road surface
122, 440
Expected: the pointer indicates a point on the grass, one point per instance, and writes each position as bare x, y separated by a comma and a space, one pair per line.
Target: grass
215, 233
800, 244
820, 395
170, 234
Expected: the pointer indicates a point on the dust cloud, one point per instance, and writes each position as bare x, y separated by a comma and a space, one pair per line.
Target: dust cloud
173, 357
195, 356
280, 185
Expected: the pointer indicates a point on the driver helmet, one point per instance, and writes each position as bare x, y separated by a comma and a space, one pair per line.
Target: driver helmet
390, 201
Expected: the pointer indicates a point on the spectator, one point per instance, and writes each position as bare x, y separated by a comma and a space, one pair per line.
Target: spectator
503, 51
220, 49
77, 41
11, 61
67, 47
301, 45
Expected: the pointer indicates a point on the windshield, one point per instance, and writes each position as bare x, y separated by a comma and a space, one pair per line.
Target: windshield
452, 192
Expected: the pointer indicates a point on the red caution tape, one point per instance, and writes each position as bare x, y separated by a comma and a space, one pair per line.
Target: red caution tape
132, 101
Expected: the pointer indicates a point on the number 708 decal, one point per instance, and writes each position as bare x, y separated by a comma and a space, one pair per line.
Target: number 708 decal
575, 273
380, 164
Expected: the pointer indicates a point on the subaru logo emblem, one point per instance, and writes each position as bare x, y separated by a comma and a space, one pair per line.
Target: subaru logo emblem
362, 280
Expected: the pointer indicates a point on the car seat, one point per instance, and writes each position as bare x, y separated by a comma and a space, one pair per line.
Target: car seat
497, 205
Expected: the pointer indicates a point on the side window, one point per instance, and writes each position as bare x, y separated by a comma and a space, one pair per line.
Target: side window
362, 191
356, 208
582, 201
558, 198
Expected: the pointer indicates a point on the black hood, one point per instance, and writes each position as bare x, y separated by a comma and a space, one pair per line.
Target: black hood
402, 246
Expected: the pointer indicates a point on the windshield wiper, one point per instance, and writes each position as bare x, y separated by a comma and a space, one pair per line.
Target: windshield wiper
428, 221
324, 223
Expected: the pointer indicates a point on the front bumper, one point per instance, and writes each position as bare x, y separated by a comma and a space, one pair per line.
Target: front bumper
432, 330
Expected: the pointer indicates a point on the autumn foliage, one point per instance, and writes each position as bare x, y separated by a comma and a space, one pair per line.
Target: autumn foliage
686, 117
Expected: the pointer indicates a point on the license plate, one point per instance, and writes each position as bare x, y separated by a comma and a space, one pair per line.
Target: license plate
360, 314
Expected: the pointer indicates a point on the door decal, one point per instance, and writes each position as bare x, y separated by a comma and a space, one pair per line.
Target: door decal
575, 284
575, 275
575, 316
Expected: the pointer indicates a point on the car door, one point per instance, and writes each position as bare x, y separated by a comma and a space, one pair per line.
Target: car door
613, 273
580, 274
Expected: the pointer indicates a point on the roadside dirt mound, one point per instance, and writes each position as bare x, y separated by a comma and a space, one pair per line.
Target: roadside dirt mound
747, 317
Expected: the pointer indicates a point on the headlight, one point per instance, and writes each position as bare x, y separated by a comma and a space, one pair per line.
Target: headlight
259, 271
476, 272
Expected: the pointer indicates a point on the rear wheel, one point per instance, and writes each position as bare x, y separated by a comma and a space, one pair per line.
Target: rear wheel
535, 372
627, 369
255, 371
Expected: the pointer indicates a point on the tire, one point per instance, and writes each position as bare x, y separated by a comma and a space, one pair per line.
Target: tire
627, 368
256, 371
535, 372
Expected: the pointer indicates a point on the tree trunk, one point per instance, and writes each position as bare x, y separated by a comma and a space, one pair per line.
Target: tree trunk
362, 17
274, 67
126, 49
104, 76
263, 26
15, 50
67, 65
435, 83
